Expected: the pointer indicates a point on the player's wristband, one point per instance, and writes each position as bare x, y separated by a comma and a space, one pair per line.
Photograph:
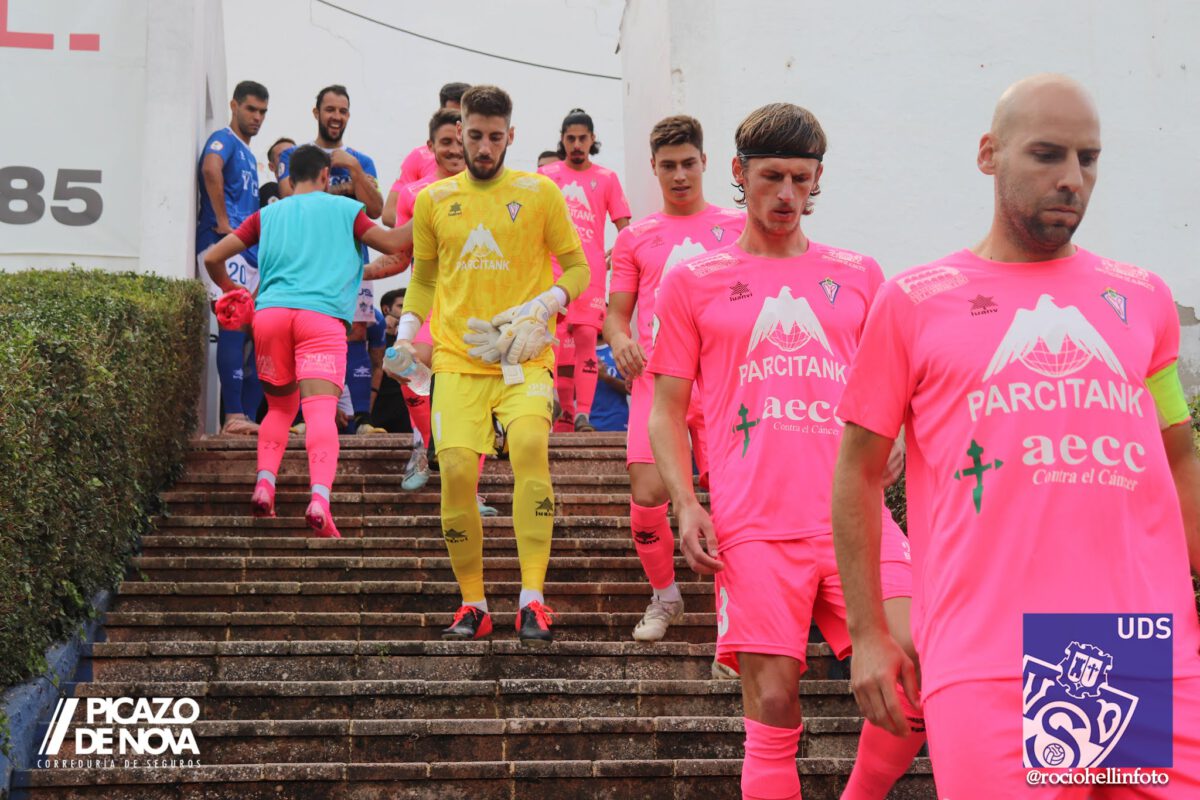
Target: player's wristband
408, 326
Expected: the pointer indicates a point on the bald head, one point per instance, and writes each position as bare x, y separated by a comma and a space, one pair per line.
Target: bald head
1039, 100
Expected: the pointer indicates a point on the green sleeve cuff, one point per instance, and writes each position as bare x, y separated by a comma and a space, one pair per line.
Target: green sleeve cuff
1167, 392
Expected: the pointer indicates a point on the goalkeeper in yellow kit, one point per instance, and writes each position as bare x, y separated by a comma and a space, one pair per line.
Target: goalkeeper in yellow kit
482, 242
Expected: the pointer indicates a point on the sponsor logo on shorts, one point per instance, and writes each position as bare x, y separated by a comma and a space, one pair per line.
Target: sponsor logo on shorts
645, 537
454, 537
1117, 302
545, 508
739, 291
266, 366
976, 472
981, 305
744, 427
325, 363
1097, 690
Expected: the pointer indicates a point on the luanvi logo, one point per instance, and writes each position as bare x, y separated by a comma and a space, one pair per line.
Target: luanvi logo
454, 537
645, 537
739, 291
131, 728
545, 508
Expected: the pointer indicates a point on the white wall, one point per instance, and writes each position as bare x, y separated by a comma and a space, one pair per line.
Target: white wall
904, 90
295, 48
133, 109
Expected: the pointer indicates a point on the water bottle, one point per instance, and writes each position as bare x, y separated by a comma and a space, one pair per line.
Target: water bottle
402, 364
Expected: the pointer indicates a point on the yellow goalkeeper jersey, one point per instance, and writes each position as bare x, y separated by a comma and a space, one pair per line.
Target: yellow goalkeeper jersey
492, 242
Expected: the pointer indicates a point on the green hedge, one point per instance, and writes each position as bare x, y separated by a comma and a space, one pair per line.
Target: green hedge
99, 376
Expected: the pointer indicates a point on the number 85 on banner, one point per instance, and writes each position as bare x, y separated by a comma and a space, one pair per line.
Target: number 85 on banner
23, 196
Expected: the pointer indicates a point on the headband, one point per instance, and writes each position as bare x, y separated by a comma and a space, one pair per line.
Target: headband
777, 154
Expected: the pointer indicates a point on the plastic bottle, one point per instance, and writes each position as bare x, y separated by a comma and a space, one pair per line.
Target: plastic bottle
402, 364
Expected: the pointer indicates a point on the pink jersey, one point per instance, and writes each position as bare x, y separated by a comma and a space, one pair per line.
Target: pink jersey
417, 165
592, 195
1037, 478
406, 198
772, 340
648, 249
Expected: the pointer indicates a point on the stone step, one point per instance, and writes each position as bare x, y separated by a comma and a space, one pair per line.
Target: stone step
212, 543
135, 626
318, 568
489, 483
249, 444
291, 501
429, 699
674, 779
430, 525
434, 660
394, 596
386, 461
507, 739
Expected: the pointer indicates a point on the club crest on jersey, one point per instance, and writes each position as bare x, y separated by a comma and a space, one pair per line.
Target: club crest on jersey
1117, 301
718, 232
1097, 690
788, 323
593, 184
830, 287
514, 208
1051, 340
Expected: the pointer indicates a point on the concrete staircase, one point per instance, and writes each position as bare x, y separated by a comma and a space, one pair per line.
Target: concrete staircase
320, 674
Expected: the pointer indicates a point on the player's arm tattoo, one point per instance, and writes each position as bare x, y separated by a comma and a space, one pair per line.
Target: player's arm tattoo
386, 266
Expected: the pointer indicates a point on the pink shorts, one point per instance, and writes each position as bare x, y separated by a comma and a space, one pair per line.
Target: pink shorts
589, 308
637, 442
294, 344
975, 740
771, 592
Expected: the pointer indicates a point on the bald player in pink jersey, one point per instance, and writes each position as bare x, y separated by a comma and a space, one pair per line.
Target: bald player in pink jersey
1049, 463
593, 193
772, 322
688, 225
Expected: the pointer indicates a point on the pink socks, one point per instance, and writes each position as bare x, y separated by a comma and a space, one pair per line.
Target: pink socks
272, 441
654, 543
587, 368
321, 441
882, 757
418, 412
769, 770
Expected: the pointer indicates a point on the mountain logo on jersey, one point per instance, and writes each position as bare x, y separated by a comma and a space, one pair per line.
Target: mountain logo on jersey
681, 252
788, 323
480, 251
1054, 341
574, 192
1117, 301
830, 287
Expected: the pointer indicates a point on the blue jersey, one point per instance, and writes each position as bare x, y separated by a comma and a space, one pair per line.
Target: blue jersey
240, 173
337, 176
377, 331
610, 409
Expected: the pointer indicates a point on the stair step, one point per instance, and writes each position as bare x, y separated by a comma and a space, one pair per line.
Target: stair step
220, 544
376, 441
288, 625
574, 569
598, 527
397, 596
673, 779
499, 659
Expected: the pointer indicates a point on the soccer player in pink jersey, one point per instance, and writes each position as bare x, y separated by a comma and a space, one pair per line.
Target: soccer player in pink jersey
687, 225
593, 193
771, 322
421, 163
1049, 463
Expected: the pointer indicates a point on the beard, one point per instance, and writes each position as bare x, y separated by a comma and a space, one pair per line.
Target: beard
482, 173
327, 136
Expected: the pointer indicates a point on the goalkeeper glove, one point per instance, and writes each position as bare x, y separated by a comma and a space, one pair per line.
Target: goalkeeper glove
485, 336
528, 331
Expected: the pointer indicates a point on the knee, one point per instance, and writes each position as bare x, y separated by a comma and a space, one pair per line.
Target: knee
647, 494
459, 469
778, 706
528, 445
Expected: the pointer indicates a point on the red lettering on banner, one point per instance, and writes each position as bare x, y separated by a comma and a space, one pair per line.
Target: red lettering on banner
42, 41
31, 41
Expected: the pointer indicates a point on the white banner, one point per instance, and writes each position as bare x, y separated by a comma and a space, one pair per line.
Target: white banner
75, 93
